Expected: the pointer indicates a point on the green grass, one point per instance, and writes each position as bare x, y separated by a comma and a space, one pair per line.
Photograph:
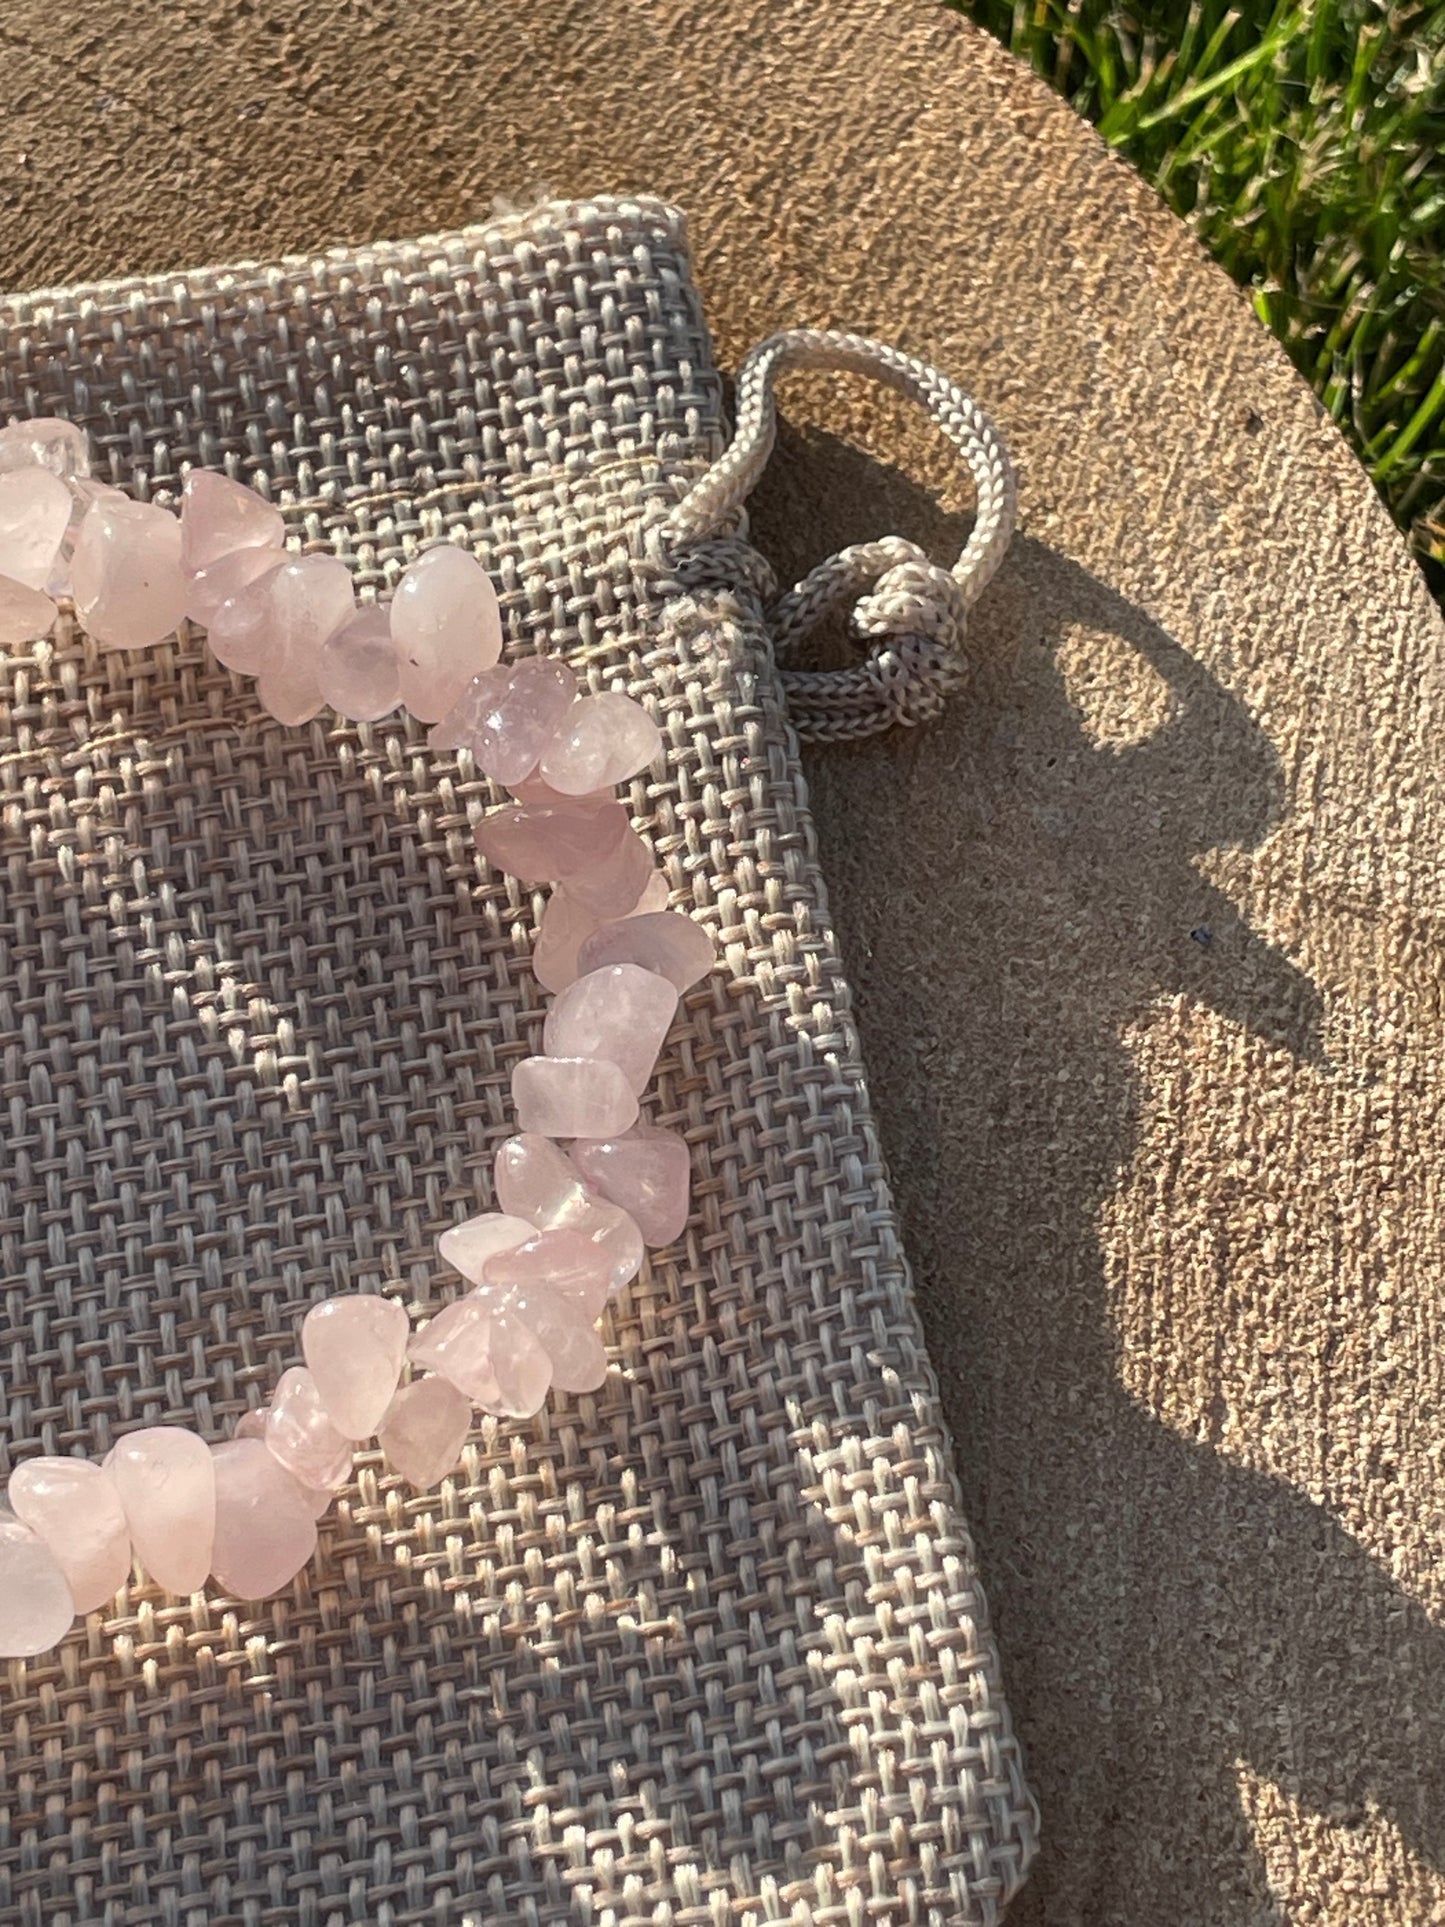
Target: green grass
1302, 142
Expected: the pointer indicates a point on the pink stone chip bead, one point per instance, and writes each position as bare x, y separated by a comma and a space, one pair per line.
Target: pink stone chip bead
354, 1348
523, 1369
75, 1508
668, 943
579, 1358
621, 1013
167, 1487
228, 600
555, 1321
252, 1425
289, 691
219, 516
45, 442
85, 492
447, 626
34, 516
299, 1433
507, 715
543, 843
424, 1430
654, 896
491, 1357
310, 597
610, 887
482, 697
36, 1608
646, 1173
468, 1246
541, 796
457, 1344
126, 574
265, 1530
600, 743
572, 1097
357, 671
553, 1287
25, 614
562, 1262
566, 924
538, 1181
318, 1498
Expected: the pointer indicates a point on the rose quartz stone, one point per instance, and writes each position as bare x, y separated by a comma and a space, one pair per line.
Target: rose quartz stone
536, 1180
310, 597
74, 1506
84, 493
488, 1355
666, 942
579, 1358
457, 1344
318, 1498
46, 442
219, 516
167, 1487
468, 1246
34, 516
532, 790
540, 843
358, 671
482, 696
506, 716
299, 1433
617, 1234
265, 1530
290, 692
232, 599
655, 895
552, 1094
354, 1348
562, 1261
523, 1369
646, 1173
252, 1425
424, 1430
566, 924
25, 614
600, 743
620, 1013
447, 626
126, 573
36, 1608
610, 888
553, 1288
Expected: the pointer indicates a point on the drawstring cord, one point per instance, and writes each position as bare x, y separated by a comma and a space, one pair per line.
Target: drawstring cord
912, 611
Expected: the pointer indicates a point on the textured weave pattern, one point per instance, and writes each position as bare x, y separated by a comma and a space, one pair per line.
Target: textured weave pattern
707, 1647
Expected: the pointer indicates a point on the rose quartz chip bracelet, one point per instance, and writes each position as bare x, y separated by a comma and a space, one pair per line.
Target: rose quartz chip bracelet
571, 1224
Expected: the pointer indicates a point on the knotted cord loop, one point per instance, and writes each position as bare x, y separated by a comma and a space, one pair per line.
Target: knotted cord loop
913, 610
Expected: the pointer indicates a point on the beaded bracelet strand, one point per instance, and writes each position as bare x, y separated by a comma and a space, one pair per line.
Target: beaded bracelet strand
571, 1225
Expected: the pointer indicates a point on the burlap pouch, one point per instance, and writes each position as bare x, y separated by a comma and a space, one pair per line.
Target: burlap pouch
708, 1647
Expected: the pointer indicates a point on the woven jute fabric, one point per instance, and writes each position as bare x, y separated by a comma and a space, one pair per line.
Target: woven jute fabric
706, 1647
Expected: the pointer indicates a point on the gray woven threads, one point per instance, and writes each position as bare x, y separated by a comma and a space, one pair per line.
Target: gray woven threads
706, 1648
